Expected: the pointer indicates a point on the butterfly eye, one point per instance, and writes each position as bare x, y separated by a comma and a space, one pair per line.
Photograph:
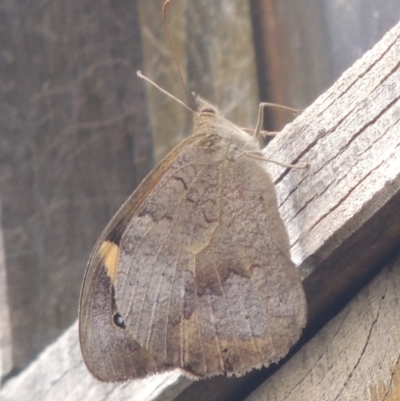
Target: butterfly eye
208, 110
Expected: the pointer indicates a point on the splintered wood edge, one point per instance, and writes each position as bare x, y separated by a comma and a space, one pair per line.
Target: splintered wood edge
338, 214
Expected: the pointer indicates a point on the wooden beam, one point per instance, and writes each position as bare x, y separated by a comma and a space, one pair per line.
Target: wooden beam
341, 212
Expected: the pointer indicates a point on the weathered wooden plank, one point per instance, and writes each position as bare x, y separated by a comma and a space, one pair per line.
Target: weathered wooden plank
340, 212
353, 183
356, 356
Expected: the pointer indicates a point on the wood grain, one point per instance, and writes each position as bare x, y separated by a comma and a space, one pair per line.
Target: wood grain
341, 212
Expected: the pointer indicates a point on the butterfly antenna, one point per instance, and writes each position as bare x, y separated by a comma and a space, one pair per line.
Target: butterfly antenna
172, 47
140, 75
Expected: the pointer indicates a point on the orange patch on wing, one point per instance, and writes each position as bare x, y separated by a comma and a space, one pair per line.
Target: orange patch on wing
110, 255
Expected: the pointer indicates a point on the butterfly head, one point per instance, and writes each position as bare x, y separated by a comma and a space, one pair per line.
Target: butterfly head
206, 108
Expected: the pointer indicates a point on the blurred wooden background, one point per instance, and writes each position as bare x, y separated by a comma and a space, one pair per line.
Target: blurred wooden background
79, 129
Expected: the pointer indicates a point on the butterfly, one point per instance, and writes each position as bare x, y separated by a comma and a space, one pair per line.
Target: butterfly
194, 270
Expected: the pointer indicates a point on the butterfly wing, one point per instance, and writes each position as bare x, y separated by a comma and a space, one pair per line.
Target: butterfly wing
204, 279
110, 352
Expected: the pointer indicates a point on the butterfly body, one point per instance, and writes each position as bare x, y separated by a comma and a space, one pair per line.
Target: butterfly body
194, 271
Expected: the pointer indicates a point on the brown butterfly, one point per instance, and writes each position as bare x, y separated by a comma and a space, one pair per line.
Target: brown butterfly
194, 270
